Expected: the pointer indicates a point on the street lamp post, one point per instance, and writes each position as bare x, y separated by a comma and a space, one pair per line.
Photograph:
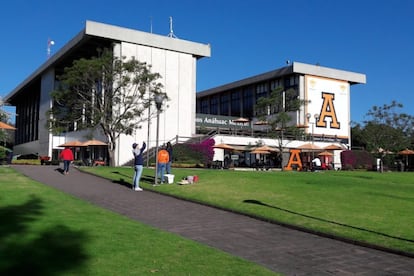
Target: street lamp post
316, 116
158, 98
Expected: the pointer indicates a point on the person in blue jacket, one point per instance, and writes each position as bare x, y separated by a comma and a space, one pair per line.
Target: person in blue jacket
170, 154
138, 165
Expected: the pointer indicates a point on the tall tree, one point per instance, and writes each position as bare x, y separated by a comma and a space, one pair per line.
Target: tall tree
104, 92
6, 137
386, 129
277, 110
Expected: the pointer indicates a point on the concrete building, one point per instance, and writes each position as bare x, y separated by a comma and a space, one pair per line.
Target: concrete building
325, 116
175, 59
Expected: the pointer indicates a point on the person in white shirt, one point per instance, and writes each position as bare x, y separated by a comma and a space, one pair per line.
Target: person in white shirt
316, 164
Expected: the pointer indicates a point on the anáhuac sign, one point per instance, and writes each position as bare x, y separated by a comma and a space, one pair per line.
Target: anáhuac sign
217, 121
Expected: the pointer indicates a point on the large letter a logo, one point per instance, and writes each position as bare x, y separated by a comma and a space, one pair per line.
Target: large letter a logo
294, 160
328, 110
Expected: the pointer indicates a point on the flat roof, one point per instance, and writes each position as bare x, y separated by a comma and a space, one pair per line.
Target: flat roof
148, 39
294, 68
95, 31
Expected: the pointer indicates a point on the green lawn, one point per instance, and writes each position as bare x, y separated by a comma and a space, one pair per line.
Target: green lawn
46, 232
365, 206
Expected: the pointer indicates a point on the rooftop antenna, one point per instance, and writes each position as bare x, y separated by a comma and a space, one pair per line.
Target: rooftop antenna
151, 24
50, 43
171, 34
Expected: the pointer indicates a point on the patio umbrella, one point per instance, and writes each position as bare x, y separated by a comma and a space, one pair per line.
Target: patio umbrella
93, 152
266, 148
223, 146
94, 142
74, 143
241, 120
309, 147
6, 126
325, 153
258, 151
333, 147
406, 152
261, 123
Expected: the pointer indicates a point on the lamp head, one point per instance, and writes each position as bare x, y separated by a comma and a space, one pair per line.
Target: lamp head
159, 99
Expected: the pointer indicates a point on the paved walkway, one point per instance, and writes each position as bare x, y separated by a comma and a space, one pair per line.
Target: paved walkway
278, 248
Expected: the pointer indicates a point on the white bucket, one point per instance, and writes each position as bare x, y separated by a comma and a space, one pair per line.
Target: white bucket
170, 178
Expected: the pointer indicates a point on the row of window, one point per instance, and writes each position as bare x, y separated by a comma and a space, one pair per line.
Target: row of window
27, 122
240, 102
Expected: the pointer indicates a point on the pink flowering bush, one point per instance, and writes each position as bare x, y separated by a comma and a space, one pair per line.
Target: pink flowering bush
195, 153
356, 159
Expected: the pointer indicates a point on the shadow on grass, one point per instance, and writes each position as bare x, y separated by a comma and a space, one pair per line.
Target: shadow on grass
144, 178
122, 181
118, 173
52, 252
148, 179
257, 202
410, 199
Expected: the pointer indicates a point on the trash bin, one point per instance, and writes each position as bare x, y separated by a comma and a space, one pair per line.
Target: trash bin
170, 178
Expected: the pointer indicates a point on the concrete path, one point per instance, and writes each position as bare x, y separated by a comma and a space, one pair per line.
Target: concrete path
280, 249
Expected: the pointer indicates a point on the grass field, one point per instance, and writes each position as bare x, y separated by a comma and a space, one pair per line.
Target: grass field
371, 207
46, 232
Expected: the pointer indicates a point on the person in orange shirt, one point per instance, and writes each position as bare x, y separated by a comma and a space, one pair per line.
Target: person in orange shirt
163, 158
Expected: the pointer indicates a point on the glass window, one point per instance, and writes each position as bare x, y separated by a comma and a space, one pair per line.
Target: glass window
248, 103
261, 91
235, 103
214, 105
204, 106
274, 84
224, 104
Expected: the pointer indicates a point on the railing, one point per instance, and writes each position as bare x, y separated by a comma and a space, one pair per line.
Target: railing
174, 141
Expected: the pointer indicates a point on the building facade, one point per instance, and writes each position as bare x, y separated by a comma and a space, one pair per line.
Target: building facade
325, 114
174, 59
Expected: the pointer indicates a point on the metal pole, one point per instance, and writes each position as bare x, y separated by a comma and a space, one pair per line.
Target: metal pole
148, 134
156, 147
313, 151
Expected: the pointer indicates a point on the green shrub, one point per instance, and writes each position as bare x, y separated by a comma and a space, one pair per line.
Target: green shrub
26, 162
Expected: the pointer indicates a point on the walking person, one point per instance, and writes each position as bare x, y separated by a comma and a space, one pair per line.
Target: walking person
138, 165
170, 157
163, 158
67, 156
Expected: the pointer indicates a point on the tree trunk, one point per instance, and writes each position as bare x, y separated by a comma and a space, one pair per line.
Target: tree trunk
111, 153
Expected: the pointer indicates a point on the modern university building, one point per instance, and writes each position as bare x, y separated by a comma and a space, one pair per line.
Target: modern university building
227, 113
174, 59
325, 116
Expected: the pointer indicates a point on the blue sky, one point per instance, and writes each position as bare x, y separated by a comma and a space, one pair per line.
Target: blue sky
247, 37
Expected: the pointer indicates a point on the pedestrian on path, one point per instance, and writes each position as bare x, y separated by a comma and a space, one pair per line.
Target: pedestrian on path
67, 156
170, 157
138, 165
